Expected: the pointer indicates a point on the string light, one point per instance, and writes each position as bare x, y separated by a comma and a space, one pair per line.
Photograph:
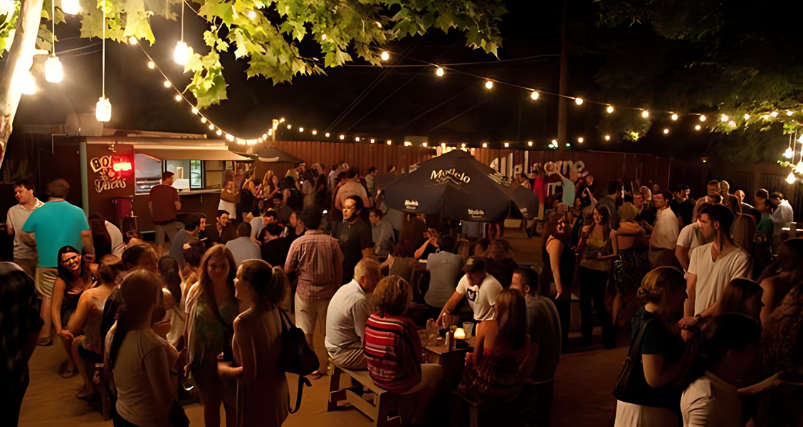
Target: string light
463, 145
607, 137
408, 144
281, 120
327, 134
357, 139
70, 7
301, 129
314, 132
390, 142
507, 145
789, 113
385, 56
724, 118
702, 117
211, 127
151, 65
774, 114
645, 114
788, 153
424, 144
731, 123
439, 72
167, 83
264, 136
698, 127
133, 41
103, 109
489, 84
219, 132
342, 137
580, 140
578, 101
54, 73
674, 116
529, 143
373, 140
289, 127
194, 110
484, 145
203, 119
790, 179
252, 14
666, 131
177, 98
534, 95
747, 116
609, 109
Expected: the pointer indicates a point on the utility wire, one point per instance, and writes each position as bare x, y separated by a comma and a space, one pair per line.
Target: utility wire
431, 109
458, 115
383, 100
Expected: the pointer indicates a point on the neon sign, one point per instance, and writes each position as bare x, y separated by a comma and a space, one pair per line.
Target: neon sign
110, 170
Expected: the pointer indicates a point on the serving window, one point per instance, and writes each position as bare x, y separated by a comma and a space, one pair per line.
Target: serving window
189, 175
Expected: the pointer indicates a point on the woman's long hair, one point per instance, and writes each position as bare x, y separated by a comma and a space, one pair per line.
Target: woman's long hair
267, 183
391, 296
743, 232
100, 235
606, 221
551, 230
140, 256
140, 294
206, 282
108, 269
66, 275
511, 317
500, 250
171, 277
270, 283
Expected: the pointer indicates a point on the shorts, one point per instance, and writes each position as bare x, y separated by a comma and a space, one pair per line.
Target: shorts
66, 313
89, 355
308, 312
353, 358
169, 229
45, 280
27, 265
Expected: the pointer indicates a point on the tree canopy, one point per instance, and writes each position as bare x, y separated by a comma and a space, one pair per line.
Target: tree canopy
280, 39
719, 58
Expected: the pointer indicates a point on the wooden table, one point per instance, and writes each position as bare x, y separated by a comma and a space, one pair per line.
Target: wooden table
453, 363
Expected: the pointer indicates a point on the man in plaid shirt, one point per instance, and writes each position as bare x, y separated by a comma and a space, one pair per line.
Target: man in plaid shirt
318, 261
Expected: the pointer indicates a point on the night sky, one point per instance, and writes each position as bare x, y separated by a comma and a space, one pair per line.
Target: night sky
140, 101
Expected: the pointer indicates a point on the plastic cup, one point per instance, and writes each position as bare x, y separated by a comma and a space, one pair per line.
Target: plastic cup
468, 328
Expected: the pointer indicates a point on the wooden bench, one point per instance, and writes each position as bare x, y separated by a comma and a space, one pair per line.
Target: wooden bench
379, 411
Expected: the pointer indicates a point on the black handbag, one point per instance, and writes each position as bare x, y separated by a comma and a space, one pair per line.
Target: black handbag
631, 386
297, 358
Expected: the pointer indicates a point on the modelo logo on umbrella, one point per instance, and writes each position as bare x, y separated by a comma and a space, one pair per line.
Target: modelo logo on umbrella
476, 213
450, 175
411, 204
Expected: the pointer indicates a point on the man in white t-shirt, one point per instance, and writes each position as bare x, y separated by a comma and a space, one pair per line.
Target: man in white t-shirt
479, 287
691, 237
714, 265
664, 235
24, 254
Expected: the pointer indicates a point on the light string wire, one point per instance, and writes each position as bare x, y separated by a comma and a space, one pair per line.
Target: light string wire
53, 21
103, 60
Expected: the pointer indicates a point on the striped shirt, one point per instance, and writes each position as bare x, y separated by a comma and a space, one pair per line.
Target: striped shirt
393, 351
319, 261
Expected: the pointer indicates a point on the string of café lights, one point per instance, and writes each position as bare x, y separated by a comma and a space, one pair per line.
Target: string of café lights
54, 73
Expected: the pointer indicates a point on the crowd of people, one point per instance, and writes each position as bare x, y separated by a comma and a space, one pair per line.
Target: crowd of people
321, 245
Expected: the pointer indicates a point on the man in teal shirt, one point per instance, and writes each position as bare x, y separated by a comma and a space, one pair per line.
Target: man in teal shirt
51, 227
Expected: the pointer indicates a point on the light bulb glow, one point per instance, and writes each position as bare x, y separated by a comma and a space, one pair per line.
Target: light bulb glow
607, 137
373, 141
103, 110
289, 126
609, 109
54, 73
580, 140
789, 113
731, 123
703, 118
203, 119
211, 126
177, 98
151, 65
578, 101
799, 167
327, 134
674, 116
424, 144
529, 143
439, 72
342, 137
534, 95
314, 132
507, 144
301, 129
489, 84
181, 54
774, 114
645, 114
281, 120
70, 7
666, 131
385, 56
133, 41
747, 116
252, 14
167, 83
698, 127
724, 118
484, 145
790, 179
264, 136
194, 110
219, 132
390, 142
357, 139
463, 145
788, 153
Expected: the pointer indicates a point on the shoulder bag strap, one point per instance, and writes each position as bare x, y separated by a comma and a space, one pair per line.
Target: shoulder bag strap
635, 346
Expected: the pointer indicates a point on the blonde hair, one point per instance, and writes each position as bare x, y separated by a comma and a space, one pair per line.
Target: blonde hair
463, 248
743, 232
500, 250
660, 282
391, 296
627, 212
646, 194
364, 266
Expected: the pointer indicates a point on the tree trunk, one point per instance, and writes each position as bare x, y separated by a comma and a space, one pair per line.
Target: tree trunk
20, 58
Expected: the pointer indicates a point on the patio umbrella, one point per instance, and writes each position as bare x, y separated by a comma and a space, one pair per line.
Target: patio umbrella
457, 186
275, 155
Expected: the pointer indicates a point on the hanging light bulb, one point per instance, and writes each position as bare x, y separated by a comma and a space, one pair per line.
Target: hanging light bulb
507, 144
357, 139
27, 82
439, 72
609, 109
788, 153
645, 114
373, 141
289, 127
489, 84
70, 7
799, 166
103, 110
342, 137
674, 116
53, 70
385, 56
301, 129
790, 179
534, 95
181, 54
211, 126
578, 101
203, 119
702, 117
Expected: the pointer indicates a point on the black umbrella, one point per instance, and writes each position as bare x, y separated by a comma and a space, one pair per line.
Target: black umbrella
275, 155
458, 186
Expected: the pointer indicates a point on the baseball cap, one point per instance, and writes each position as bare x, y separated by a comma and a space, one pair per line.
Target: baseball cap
474, 264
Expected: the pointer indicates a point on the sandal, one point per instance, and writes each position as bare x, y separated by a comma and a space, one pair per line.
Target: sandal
65, 371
